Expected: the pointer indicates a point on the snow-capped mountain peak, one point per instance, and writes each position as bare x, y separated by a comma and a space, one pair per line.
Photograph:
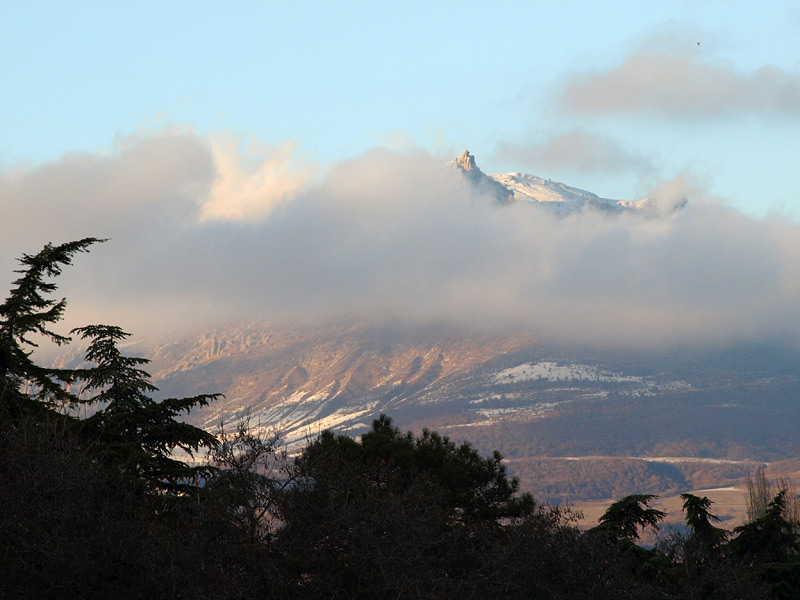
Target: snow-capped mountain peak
555, 196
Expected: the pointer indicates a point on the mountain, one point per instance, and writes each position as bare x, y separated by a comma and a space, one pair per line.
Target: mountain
556, 197
560, 197
573, 424
480, 181
338, 374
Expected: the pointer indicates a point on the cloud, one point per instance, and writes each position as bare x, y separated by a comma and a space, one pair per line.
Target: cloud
667, 196
682, 86
251, 186
397, 234
156, 183
577, 149
143, 180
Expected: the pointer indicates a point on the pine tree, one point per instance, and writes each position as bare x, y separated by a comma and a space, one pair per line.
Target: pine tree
24, 385
130, 429
771, 547
134, 430
394, 515
623, 519
770, 538
705, 538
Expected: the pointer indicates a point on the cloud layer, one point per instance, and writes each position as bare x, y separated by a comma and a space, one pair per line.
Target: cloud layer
389, 234
680, 86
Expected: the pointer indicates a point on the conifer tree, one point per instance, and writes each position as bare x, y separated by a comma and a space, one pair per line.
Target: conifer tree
770, 538
705, 538
623, 519
130, 429
26, 312
134, 430
770, 545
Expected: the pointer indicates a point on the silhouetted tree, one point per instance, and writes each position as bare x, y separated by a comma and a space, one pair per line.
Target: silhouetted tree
134, 431
705, 539
394, 515
27, 311
251, 474
761, 491
624, 518
771, 546
74, 524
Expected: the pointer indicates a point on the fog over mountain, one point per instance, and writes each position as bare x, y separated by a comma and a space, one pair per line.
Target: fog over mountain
215, 229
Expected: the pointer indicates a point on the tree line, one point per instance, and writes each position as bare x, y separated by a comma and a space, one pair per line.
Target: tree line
103, 506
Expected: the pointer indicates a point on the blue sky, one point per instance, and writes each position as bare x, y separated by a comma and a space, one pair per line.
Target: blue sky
501, 79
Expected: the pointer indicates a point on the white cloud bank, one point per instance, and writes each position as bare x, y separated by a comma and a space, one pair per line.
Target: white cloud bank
389, 234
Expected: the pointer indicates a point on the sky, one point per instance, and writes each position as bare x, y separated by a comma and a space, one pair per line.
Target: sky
284, 160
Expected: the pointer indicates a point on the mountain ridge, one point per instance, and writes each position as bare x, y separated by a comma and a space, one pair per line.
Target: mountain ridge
534, 402
558, 197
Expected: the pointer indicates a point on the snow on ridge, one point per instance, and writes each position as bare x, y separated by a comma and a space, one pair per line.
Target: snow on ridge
562, 197
553, 371
557, 197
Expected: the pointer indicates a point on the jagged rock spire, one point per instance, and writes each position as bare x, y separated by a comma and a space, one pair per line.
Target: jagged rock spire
466, 161
470, 171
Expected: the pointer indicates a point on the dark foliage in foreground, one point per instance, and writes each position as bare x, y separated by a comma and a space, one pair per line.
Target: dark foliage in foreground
100, 507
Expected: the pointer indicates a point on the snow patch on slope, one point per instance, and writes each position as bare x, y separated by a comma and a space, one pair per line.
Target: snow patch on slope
557, 196
553, 371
